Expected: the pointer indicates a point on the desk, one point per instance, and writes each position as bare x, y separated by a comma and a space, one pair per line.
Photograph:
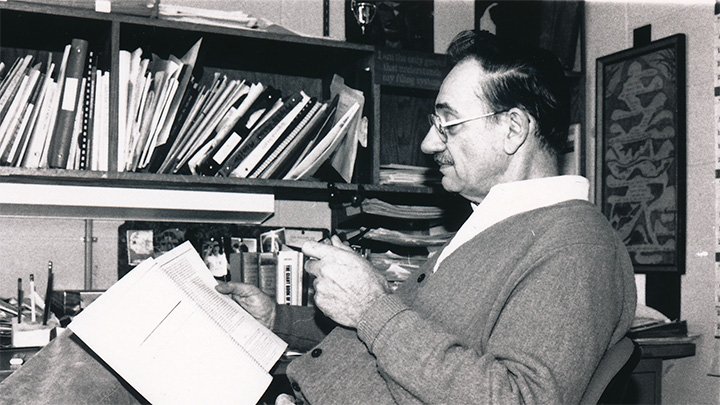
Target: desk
645, 386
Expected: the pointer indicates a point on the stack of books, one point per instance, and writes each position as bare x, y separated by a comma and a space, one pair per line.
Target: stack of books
55, 116
379, 207
278, 274
409, 175
396, 238
229, 127
58, 117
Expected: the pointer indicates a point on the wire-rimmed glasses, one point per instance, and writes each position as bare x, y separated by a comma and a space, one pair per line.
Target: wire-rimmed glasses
440, 125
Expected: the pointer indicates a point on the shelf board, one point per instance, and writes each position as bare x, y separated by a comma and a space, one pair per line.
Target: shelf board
75, 12
282, 189
248, 33
668, 350
102, 202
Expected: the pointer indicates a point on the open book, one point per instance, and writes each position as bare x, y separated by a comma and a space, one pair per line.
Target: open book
170, 335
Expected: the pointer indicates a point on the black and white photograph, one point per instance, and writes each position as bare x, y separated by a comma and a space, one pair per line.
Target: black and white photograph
293, 202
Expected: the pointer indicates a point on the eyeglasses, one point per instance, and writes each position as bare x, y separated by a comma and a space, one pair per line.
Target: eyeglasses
441, 125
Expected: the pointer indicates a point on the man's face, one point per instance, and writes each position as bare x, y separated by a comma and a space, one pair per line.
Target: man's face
472, 159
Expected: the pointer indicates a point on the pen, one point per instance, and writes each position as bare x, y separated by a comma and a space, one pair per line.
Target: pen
20, 300
33, 318
48, 292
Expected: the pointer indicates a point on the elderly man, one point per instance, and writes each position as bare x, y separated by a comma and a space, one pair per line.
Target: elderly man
519, 307
522, 303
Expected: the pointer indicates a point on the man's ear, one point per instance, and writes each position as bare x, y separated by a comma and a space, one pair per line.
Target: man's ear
518, 130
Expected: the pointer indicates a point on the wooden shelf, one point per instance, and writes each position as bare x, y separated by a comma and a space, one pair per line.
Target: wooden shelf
163, 23
282, 189
286, 61
667, 350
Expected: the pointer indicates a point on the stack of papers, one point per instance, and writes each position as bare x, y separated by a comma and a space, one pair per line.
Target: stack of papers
405, 174
222, 18
407, 239
378, 207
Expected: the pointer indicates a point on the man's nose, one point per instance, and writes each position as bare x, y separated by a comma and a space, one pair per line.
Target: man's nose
432, 142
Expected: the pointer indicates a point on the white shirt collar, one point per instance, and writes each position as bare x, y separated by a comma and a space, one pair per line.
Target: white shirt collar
508, 199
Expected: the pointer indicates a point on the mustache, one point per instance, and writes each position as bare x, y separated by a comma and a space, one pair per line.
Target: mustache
442, 159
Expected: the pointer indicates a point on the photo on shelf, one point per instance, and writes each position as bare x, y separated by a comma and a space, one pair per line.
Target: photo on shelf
139, 245
240, 244
271, 241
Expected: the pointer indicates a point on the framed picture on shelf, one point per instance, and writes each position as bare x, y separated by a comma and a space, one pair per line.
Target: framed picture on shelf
641, 125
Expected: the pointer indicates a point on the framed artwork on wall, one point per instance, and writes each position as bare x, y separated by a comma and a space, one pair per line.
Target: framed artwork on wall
641, 163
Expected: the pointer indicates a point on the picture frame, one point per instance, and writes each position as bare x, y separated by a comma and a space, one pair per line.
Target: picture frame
640, 155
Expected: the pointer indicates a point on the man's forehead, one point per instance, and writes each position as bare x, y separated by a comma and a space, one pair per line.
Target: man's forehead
460, 87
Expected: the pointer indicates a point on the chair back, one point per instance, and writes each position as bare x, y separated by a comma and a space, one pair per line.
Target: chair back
608, 383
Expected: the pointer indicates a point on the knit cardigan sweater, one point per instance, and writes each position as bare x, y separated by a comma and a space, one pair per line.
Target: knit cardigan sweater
521, 313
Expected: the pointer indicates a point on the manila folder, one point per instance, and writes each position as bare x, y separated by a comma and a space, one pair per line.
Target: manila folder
169, 334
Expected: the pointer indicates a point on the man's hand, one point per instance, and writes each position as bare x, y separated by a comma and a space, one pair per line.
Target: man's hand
257, 303
345, 283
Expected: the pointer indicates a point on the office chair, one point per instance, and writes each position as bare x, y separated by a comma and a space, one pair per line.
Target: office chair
611, 377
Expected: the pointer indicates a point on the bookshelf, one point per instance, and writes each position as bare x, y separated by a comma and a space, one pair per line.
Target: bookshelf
287, 62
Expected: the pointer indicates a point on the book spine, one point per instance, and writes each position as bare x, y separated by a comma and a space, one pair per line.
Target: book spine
298, 154
267, 270
285, 160
249, 268
235, 266
53, 109
324, 147
242, 127
101, 132
35, 101
278, 150
38, 136
289, 277
190, 96
264, 147
118, 160
13, 87
283, 277
62, 134
206, 100
73, 160
16, 129
215, 94
9, 76
221, 134
202, 138
194, 114
88, 113
256, 136
14, 108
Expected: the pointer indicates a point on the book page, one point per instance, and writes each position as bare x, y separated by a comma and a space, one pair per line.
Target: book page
154, 334
180, 265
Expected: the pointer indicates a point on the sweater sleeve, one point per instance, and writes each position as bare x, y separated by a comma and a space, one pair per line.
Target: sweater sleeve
301, 327
546, 342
